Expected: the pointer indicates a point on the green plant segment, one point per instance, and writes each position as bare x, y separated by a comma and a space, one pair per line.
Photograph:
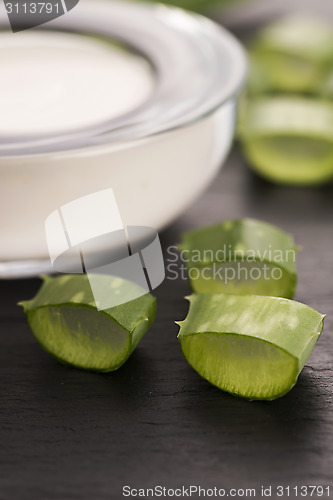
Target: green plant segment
200, 6
289, 139
64, 319
286, 117
241, 257
249, 346
294, 54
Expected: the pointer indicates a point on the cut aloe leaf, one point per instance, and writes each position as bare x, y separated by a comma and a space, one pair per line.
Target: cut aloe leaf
292, 55
283, 73
64, 319
249, 346
241, 257
299, 35
325, 88
289, 140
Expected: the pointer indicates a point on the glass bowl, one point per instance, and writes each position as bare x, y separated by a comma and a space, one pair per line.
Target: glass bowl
157, 158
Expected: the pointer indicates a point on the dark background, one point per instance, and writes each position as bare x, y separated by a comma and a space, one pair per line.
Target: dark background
67, 434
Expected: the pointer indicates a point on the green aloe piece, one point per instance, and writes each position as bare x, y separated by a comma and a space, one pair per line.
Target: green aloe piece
241, 257
288, 139
64, 319
291, 55
251, 346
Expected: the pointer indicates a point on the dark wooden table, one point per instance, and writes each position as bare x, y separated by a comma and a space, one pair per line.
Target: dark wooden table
67, 434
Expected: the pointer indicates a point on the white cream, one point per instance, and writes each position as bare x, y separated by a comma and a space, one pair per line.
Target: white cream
54, 82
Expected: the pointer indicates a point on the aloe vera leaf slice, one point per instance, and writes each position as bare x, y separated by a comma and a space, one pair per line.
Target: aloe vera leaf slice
297, 35
230, 256
200, 6
283, 73
65, 321
250, 346
287, 139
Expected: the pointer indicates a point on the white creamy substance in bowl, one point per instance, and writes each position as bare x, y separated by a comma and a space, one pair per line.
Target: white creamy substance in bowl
81, 115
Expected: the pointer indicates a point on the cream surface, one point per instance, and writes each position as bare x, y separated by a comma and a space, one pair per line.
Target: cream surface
54, 82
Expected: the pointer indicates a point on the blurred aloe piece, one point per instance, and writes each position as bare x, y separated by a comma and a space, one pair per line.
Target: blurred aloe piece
288, 139
325, 87
201, 6
250, 346
294, 55
221, 259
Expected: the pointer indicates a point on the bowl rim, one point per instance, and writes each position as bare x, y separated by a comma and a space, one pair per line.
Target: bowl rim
209, 67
